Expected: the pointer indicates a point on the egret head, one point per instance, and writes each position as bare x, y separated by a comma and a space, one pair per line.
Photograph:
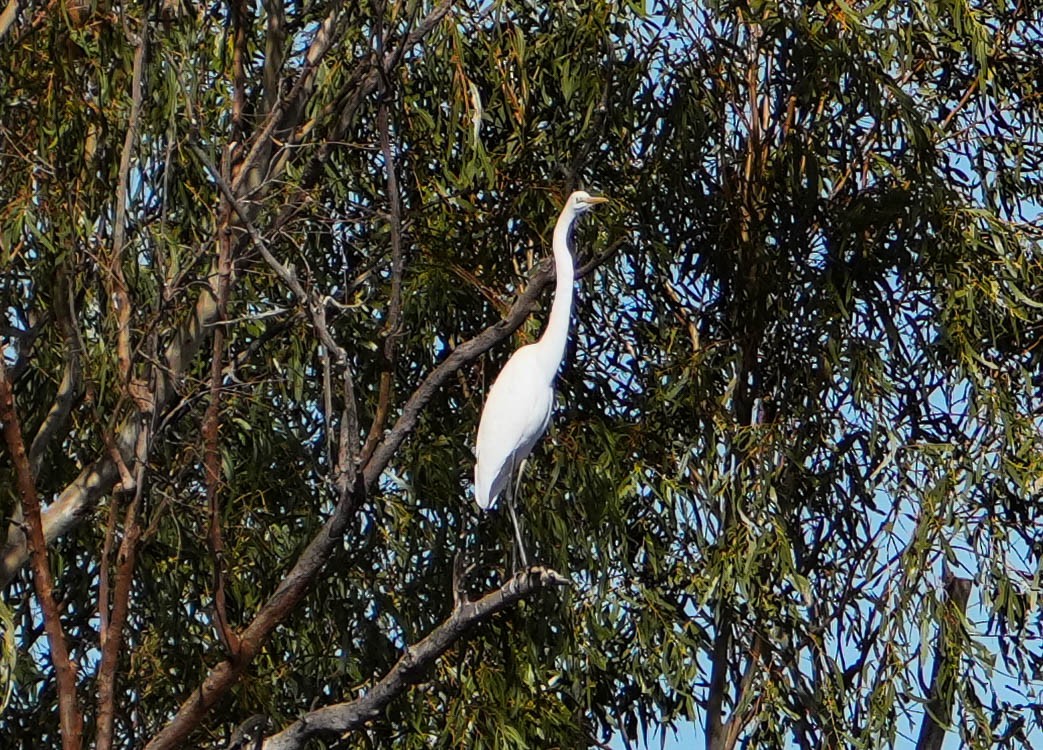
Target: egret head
581, 201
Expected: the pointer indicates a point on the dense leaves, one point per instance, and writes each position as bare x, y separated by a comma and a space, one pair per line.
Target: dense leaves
803, 395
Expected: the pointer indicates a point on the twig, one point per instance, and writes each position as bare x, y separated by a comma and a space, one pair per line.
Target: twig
395, 304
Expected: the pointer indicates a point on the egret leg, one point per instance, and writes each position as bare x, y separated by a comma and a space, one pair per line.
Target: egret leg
519, 545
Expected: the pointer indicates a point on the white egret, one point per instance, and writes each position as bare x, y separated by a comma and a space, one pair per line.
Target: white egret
520, 401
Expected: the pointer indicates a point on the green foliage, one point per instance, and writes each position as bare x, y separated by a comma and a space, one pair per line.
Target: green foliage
803, 387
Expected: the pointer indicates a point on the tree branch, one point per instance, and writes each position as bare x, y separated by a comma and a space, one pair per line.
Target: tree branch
333, 721
395, 304
115, 283
715, 732
239, 10
8, 16
69, 715
947, 651
112, 636
212, 425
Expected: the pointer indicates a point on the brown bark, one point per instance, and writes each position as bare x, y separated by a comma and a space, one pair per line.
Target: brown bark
211, 432
69, 714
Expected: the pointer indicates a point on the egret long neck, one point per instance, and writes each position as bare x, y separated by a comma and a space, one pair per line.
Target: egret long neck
552, 343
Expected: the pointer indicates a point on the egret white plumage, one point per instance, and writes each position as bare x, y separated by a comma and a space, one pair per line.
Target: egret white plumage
518, 408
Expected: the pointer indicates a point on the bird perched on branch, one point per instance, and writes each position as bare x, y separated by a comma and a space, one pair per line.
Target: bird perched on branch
518, 408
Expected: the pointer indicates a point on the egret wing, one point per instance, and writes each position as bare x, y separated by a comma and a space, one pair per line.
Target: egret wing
516, 414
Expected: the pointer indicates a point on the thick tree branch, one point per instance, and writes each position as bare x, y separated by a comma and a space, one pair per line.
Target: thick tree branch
947, 652
8, 16
333, 721
112, 635
715, 728
69, 715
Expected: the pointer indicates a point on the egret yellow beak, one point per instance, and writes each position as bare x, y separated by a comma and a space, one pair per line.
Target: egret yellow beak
595, 199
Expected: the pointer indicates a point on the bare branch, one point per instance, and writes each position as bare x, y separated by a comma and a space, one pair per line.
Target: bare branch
334, 721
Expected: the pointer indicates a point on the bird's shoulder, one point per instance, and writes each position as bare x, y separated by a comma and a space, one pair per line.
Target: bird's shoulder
527, 361
523, 382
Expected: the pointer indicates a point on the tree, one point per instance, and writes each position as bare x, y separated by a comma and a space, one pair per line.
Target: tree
261, 262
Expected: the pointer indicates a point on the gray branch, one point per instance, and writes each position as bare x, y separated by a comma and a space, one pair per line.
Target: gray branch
333, 721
